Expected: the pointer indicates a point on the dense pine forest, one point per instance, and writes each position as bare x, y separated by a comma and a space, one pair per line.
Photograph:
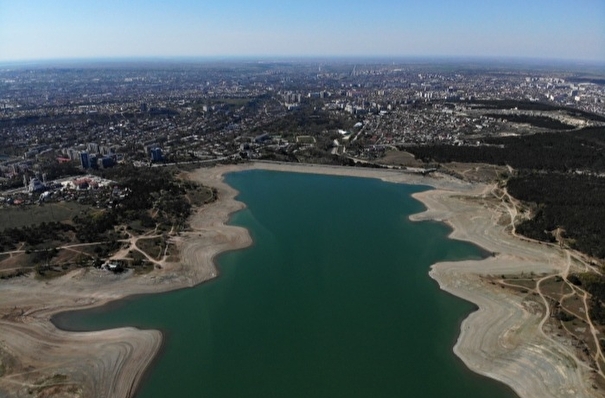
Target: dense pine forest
567, 151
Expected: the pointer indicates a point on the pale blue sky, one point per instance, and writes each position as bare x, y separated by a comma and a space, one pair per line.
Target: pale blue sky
51, 29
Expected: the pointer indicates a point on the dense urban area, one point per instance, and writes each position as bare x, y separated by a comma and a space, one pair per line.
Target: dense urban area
94, 117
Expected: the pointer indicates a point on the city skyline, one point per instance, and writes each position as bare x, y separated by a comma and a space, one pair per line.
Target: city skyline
67, 29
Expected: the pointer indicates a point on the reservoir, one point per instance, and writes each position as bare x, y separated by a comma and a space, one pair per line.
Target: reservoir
333, 299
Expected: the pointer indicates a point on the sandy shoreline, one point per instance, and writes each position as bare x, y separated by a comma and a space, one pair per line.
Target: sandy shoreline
37, 359
501, 340
504, 338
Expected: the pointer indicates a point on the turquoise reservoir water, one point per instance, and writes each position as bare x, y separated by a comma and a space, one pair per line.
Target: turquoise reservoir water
332, 300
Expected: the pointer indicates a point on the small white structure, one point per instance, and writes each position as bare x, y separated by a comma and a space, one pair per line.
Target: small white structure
35, 185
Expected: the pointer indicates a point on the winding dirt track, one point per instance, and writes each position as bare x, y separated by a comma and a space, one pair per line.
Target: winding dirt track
37, 359
506, 337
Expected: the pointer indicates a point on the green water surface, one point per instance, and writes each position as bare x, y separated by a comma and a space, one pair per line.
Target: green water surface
332, 300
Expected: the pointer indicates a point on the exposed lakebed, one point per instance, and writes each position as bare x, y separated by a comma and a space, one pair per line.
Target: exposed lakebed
332, 299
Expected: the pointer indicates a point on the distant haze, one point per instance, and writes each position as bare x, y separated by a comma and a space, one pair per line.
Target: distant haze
65, 29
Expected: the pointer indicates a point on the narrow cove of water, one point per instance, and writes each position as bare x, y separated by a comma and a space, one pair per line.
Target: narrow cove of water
332, 300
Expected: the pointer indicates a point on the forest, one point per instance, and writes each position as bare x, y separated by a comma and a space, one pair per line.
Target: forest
563, 151
156, 188
558, 204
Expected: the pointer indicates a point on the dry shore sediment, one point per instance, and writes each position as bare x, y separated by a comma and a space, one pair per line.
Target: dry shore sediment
502, 339
37, 359
506, 338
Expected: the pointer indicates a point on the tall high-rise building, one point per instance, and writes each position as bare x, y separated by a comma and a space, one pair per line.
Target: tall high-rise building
156, 154
92, 147
93, 162
84, 160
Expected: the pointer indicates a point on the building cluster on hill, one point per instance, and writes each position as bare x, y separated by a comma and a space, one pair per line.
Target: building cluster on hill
92, 117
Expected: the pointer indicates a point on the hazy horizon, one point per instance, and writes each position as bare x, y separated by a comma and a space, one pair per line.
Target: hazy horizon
562, 30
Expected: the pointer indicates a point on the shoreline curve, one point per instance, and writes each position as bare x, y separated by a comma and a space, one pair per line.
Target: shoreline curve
503, 339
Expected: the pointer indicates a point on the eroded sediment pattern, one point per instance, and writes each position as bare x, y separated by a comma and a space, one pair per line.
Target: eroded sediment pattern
506, 338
